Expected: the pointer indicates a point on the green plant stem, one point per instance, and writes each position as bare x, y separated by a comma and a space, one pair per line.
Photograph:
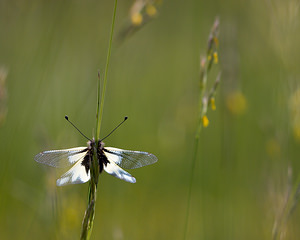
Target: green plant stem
204, 101
193, 164
100, 110
192, 171
88, 220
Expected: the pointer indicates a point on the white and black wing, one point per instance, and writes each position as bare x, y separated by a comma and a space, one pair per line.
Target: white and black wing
77, 174
129, 159
114, 170
119, 158
65, 158
61, 158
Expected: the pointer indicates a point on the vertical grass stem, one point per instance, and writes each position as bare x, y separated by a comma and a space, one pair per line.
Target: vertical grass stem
88, 220
100, 108
204, 100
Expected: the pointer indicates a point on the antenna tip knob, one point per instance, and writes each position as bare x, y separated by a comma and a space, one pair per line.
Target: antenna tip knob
125, 118
66, 117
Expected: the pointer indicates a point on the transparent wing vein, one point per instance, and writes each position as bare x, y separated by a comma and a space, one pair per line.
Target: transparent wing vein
61, 158
129, 159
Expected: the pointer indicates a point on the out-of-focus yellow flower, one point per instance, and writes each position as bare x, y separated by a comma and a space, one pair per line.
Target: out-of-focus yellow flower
294, 107
137, 19
151, 10
209, 57
236, 103
71, 214
205, 121
273, 147
216, 59
213, 103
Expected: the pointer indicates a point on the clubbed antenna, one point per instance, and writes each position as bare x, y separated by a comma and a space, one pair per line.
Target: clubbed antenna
67, 118
125, 118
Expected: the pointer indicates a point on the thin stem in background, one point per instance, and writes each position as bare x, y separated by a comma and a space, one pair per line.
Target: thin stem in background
291, 201
88, 220
205, 99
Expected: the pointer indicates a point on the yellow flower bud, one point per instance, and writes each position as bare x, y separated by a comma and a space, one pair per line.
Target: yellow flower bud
216, 59
136, 19
205, 121
213, 103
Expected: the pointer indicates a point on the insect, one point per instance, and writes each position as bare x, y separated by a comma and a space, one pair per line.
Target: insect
110, 159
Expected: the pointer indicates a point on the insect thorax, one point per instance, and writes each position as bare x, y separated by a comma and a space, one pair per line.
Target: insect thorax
101, 157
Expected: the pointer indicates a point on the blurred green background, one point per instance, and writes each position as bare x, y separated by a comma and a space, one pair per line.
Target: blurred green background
248, 161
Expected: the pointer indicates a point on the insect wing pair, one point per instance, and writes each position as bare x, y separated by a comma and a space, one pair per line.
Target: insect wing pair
110, 159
